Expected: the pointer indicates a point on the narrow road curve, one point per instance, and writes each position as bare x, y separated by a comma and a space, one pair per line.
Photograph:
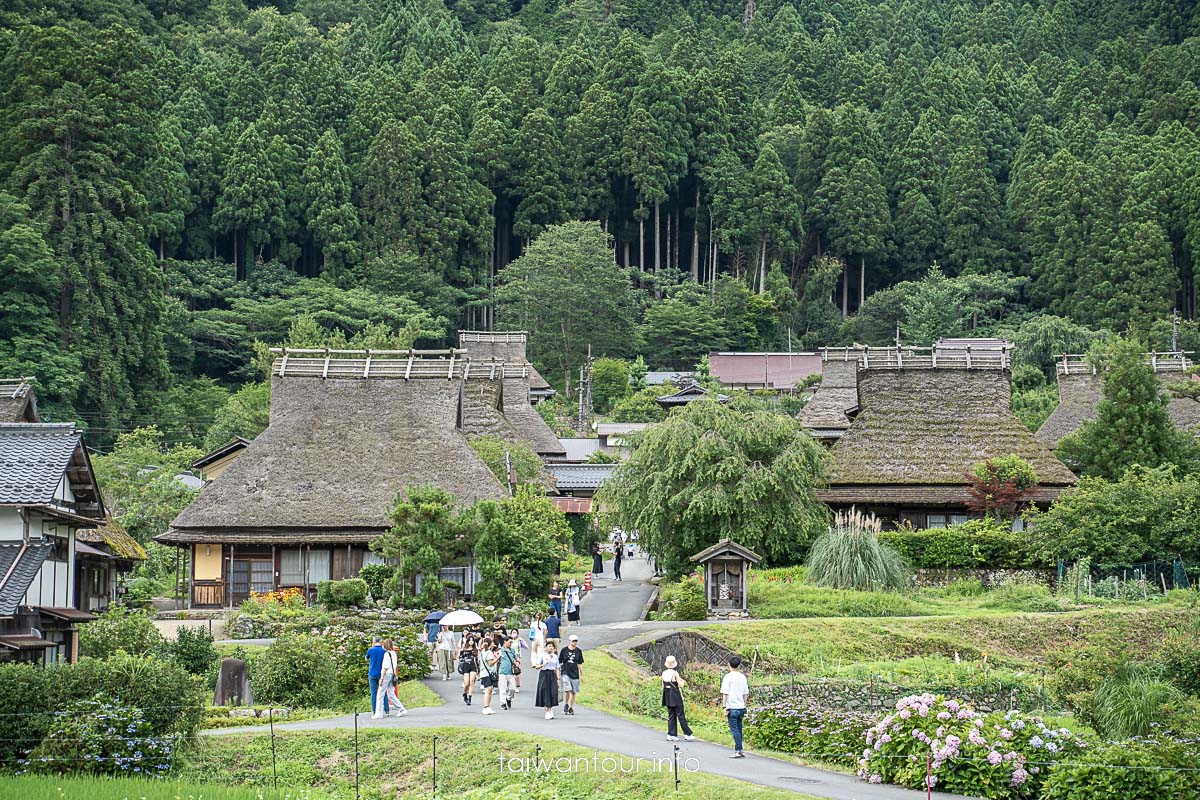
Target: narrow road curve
609, 615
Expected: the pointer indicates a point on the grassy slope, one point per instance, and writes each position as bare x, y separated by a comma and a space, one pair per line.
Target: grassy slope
400, 763
95, 788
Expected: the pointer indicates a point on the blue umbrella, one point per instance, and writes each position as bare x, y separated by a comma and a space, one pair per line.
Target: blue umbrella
434, 616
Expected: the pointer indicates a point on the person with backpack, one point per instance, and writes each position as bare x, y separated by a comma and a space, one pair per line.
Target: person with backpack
672, 700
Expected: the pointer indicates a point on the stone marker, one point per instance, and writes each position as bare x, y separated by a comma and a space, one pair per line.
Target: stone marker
233, 684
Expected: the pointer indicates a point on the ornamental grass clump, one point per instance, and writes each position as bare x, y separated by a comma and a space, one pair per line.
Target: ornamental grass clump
850, 556
1130, 702
1000, 756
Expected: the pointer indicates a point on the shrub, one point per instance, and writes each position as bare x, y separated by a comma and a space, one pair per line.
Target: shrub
973, 544
377, 576
119, 629
971, 753
802, 726
1147, 769
297, 672
1129, 702
850, 556
99, 736
172, 700
1180, 660
349, 647
140, 591
1017, 596
279, 604
30, 690
350, 593
193, 650
683, 600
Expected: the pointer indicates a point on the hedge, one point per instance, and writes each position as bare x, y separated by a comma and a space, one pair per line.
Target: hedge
350, 593
977, 544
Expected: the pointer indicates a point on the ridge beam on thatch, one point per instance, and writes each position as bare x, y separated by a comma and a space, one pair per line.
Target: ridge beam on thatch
493, 337
363, 364
986, 356
1172, 361
14, 387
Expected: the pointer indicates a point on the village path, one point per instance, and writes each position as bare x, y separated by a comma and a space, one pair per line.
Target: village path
612, 614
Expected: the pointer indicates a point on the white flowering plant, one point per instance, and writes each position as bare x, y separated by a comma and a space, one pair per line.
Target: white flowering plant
944, 743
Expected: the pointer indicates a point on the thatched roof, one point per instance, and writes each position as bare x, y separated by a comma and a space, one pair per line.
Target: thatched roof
1079, 396
113, 535
508, 347
336, 454
835, 399
18, 401
930, 427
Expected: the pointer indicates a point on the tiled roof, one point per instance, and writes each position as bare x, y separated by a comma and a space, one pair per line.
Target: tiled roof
33, 458
13, 589
580, 476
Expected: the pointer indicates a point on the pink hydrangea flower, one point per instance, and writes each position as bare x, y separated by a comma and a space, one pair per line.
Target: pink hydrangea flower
994, 758
943, 715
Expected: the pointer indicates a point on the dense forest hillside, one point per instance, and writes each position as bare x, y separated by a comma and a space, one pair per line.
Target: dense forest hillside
180, 179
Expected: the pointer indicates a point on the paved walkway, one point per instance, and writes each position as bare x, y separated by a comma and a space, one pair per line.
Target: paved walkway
610, 615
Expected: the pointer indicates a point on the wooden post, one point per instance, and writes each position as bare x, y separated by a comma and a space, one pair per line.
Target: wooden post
229, 581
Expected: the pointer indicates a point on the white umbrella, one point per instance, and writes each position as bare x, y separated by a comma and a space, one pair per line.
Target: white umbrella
463, 616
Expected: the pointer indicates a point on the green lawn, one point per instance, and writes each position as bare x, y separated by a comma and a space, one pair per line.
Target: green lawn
399, 763
28, 787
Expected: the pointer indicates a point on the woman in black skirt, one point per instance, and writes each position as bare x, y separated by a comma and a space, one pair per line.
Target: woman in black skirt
546, 663
597, 559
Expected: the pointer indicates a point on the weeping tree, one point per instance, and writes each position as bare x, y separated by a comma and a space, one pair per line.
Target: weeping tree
710, 472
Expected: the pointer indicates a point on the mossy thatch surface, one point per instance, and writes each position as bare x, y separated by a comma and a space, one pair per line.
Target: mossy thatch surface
336, 454
1079, 399
116, 538
930, 427
835, 398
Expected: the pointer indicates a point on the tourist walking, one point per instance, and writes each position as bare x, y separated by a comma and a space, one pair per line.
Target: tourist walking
537, 632
734, 691
554, 628
556, 598
386, 693
572, 601
468, 667
445, 652
597, 559
672, 699
570, 660
374, 670
432, 629
546, 662
523, 657
618, 555
489, 666
509, 669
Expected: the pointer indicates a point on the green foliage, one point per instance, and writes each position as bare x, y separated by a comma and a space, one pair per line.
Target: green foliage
610, 383
1007, 468
1127, 704
141, 492
350, 593
101, 737
971, 545
933, 309
522, 540
245, 414
850, 555
119, 630
709, 472
377, 577
566, 292
1131, 426
640, 407
1033, 406
1148, 514
296, 671
796, 726
1138, 770
172, 699
682, 600
428, 532
193, 650
1180, 661
525, 462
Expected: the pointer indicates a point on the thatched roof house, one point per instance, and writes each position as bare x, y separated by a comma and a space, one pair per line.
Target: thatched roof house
347, 433
1081, 388
18, 401
828, 412
921, 428
522, 385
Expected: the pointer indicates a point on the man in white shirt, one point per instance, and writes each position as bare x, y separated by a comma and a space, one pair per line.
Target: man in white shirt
734, 691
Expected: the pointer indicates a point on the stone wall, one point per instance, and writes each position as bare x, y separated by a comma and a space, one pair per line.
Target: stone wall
688, 647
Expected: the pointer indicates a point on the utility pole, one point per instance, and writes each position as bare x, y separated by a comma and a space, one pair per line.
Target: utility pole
1175, 330
585, 396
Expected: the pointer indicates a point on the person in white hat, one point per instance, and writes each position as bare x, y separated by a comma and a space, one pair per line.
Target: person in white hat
570, 662
672, 698
572, 601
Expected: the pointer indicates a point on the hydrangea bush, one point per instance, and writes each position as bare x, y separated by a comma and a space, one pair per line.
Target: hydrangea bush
100, 736
807, 728
1000, 755
349, 647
